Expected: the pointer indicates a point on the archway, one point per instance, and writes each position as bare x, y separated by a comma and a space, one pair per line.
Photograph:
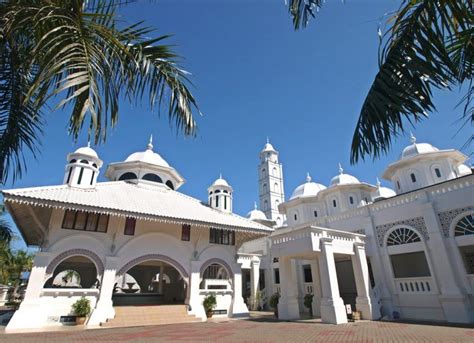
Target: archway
74, 272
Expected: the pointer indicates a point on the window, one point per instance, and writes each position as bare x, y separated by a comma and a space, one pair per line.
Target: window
275, 260
152, 177
265, 205
128, 176
225, 203
84, 162
334, 204
413, 177
351, 200
129, 226
465, 226
76, 220
437, 172
218, 236
410, 265
315, 213
186, 232
295, 216
170, 184
69, 175
276, 272
92, 178
80, 176
307, 273
401, 236
398, 185
217, 201
276, 189
467, 253
264, 188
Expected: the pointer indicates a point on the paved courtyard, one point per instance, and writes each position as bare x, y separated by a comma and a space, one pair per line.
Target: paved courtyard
256, 331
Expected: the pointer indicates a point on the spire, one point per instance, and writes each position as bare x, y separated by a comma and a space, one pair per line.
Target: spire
89, 143
340, 168
150, 143
412, 138
268, 140
254, 205
220, 175
378, 183
308, 177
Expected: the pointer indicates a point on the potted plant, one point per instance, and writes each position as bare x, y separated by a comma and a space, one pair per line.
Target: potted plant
209, 304
274, 299
259, 298
308, 303
81, 308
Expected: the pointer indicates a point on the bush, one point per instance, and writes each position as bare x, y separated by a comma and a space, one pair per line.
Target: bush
308, 302
82, 307
274, 299
209, 303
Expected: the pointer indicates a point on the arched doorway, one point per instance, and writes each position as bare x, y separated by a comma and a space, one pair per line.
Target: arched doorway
150, 282
74, 272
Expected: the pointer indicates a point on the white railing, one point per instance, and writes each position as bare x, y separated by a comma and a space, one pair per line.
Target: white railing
422, 285
70, 292
217, 284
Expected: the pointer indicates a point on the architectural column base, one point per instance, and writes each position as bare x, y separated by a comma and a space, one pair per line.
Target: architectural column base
333, 311
316, 306
369, 308
455, 308
28, 316
288, 310
103, 311
239, 309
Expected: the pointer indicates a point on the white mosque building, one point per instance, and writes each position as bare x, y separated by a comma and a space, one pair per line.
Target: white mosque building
136, 240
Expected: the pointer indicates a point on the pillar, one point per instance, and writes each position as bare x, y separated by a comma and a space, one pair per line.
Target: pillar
104, 308
30, 315
254, 281
161, 279
316, 287
194, 298
332, 307
238, 307
365, 301
288, 307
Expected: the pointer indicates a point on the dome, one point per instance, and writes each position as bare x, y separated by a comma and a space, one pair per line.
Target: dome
87, 150
307, 189
148, 156
220, 182
382, 192
417, 149
256, 214
464, 170
343, 179
268, 147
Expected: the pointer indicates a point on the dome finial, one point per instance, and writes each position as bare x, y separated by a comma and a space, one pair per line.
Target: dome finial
412, 138
150, 143
378, 183
254, 205
340, 168
220, 175
268, 140
89, 143
308, 177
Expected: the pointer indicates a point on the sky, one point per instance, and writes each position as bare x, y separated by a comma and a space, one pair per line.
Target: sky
255, 77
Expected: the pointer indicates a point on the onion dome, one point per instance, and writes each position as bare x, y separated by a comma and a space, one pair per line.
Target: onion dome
415, 149
148, 156
307, 189
256, 214
343, 179
382, 192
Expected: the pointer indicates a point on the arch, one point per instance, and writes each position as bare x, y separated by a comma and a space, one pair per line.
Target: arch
128, 176
157, 257
73, 161
152, 177
170, 184
84, 161
274, 171
276, 187
75, 252
402, 235
216, 260
463, 225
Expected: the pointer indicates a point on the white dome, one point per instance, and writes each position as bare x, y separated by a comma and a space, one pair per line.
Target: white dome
220, 182
343, 179
256, 214
382, 192
148, 156
464, 170
307, 189
417, 149
87, 150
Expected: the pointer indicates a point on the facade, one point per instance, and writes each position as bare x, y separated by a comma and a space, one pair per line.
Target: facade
407, 253
133, 240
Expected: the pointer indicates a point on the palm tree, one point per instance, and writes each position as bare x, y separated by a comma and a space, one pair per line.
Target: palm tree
428, 44
75, 54
6, 232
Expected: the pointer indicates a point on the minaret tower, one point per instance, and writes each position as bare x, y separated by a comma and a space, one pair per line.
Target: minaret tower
271, 188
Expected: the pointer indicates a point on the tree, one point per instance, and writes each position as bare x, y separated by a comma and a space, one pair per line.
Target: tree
428, 44
75, 54
6, 232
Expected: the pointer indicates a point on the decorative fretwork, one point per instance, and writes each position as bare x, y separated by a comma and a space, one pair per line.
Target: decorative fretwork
402, 235
465, 226
417, 223
75, 252
446, 218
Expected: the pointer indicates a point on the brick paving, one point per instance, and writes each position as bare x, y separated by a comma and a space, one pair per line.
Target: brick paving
256, 331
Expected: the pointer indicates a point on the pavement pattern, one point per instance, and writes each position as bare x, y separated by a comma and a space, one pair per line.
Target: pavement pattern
256, 331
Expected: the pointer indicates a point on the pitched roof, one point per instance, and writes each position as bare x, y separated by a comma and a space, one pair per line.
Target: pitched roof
141, 200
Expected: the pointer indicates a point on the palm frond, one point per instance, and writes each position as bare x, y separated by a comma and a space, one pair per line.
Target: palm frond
302, 11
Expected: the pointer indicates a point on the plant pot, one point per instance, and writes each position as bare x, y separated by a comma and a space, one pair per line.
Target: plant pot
209, 314
80, 320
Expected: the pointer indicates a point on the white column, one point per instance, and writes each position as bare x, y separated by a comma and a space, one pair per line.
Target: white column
365, 302
195, 299
332, 307
238, 307
161, 279
30, 314
288, 307
316, 287
104, 309
254, 280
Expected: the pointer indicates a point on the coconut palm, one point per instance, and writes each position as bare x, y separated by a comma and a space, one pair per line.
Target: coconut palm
6, 232
76, 55
427, 44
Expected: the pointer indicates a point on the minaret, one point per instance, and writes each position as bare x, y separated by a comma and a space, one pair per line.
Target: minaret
82, 168
220, 195
271, 189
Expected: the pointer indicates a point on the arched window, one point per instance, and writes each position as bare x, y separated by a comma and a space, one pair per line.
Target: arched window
264, 188
94, 165
69, 175
210, 192
152, 177
274, 171
437, 172
465, 226
276, 188
74, 272
277, 202
334, 203
217, 201
128, 176
84, 161
295, 217
413, 177
315, 213
351, 200
398, 185
170, 184
402, 235
81, 172
72, 161
263, 172
217, 191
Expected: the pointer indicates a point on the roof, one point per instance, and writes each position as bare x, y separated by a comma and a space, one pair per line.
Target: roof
220, 182
137, 199
87, 150
343, 179
307, 189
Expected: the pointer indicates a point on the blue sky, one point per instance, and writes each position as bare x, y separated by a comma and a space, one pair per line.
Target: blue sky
254, 77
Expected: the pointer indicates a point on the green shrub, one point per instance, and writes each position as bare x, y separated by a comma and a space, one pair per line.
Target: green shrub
274, 299
308, 300
209, 303
82, 307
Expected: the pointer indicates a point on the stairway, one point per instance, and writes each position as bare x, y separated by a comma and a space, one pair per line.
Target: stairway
149, 315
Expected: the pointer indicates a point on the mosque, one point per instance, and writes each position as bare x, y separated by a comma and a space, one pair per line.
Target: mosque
136, 242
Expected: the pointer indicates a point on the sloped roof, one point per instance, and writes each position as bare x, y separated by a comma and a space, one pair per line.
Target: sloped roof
140, 199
